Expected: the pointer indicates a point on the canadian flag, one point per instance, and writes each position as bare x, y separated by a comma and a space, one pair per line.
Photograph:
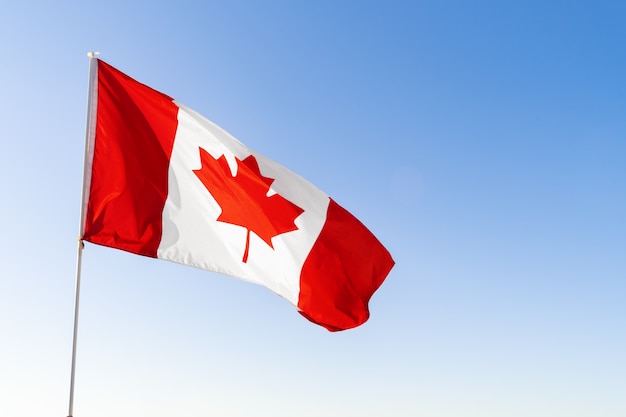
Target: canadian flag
163, 181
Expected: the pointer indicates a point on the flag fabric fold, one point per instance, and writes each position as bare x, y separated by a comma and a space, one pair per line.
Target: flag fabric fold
167, 183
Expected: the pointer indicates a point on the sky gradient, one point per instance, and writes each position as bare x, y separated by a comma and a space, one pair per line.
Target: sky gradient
483, 143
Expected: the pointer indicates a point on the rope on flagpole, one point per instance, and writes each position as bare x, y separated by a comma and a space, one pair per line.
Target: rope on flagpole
79, 254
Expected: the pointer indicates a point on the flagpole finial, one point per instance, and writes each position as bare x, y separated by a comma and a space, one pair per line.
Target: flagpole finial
92, 54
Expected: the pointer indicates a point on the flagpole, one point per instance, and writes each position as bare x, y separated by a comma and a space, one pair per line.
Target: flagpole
79, 253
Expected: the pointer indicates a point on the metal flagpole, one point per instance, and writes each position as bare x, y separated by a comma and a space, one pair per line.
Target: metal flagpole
81, 226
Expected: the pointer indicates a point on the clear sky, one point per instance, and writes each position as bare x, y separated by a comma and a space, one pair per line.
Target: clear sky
483, 142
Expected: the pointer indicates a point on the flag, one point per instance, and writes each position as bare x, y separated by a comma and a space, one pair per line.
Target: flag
163, 181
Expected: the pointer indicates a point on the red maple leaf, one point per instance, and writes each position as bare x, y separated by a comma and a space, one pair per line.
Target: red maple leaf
244, 200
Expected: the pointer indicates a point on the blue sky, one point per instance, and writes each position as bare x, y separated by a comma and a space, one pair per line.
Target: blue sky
483, 142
